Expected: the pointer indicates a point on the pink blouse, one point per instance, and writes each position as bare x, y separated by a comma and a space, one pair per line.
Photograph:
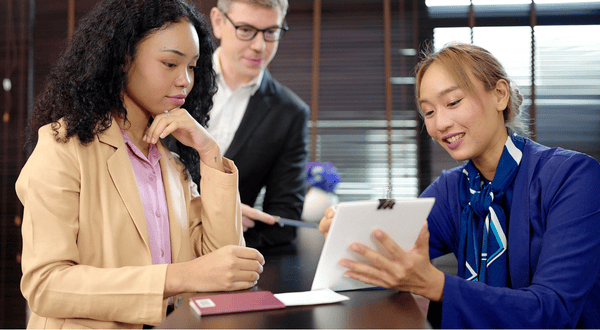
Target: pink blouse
152, 191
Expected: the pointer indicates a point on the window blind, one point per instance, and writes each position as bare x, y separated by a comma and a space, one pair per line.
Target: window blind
352, 121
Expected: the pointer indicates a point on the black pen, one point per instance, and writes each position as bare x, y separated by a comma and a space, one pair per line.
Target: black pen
295, 223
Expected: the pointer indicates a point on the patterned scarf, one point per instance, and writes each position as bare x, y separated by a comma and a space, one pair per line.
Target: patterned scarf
482, 201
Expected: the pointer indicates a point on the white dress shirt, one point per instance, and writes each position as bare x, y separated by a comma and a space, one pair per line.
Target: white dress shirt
229, 106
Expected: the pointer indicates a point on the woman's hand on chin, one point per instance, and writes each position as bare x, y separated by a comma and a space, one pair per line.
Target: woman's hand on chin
179, 123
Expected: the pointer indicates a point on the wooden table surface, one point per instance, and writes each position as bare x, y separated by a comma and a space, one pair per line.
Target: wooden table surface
291, 268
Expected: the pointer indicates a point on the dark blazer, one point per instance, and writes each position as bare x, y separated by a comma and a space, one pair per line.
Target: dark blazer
270, 150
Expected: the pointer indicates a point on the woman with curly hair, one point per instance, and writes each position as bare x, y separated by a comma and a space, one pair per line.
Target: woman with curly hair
522, 219
114, 227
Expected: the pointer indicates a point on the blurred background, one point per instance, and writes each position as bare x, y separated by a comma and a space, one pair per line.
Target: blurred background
352, 61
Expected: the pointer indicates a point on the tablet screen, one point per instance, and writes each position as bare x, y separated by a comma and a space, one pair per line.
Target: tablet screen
401, 219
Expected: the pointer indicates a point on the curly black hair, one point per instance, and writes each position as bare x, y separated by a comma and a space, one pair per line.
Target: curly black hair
85, 86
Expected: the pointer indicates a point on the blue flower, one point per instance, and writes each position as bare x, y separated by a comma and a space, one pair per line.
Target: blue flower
322, 175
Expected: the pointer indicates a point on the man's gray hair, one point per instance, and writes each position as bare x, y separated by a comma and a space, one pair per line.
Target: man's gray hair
225, 5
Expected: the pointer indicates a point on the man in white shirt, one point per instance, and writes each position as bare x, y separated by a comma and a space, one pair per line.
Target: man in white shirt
258, 123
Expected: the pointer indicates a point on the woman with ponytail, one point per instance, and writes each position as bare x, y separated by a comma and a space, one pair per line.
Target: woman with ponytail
522, 219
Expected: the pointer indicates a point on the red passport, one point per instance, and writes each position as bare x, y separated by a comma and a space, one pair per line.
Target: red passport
235, 302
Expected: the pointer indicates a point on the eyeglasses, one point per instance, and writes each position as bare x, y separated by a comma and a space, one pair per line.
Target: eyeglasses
248, 32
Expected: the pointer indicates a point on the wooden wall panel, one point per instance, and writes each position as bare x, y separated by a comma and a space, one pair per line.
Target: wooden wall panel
13, 114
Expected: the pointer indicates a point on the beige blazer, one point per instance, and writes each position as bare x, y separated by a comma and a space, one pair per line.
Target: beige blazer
86, 258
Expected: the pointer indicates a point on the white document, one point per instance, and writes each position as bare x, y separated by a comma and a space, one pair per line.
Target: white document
355, 222
325, 296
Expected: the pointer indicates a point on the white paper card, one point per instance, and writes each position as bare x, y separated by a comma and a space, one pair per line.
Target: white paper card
316, 297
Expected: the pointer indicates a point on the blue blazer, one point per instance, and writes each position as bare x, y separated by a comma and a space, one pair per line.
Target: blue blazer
553, 246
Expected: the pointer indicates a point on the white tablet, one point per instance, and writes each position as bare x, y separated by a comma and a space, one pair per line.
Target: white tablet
402, 219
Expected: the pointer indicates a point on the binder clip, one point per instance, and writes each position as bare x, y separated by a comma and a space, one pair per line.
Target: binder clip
387, 203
